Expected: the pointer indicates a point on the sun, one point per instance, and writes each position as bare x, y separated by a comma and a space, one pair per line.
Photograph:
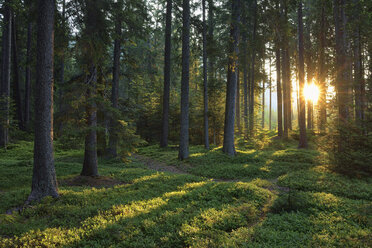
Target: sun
311, 92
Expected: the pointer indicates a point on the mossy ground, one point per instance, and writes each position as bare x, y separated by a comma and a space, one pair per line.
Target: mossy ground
138, 207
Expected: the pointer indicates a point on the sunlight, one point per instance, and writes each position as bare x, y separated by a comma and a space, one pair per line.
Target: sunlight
311, 92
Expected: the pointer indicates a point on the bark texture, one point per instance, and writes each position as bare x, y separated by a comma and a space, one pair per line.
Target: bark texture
184, 132
301, 72
44, 181
228, 138
5, 75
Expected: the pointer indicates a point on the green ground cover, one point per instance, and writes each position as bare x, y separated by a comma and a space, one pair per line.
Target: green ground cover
284, 197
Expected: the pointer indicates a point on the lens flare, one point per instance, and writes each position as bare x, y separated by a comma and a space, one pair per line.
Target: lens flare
311, 92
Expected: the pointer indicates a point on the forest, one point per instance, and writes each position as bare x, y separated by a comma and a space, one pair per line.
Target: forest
186, 123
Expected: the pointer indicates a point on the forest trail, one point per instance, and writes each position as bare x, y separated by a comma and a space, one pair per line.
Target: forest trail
184, 169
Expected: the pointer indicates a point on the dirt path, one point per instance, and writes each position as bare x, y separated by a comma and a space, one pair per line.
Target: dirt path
185, 168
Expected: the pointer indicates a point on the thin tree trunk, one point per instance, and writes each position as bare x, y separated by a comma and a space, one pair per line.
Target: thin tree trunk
322, 72
113, 141
90, 165
16, 83
27, 100
342, 86
205, 76
245, 77
263, 100
184, 132
301, 117
167, 75
44, 181
238, 103
252, 83
270, 102
285, 94
279, 93
5, 75
228, 139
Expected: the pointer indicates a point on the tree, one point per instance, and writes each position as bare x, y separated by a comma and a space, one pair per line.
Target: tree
205, 78
16, 81
113, 142
167, 75
342, 87
252, 72
44, 181
5, 75
301, 118
322, 70
184, 132
232, 73
27, 97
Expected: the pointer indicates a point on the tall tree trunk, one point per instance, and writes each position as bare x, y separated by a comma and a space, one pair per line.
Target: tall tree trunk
252, 83
167, 75
205, 76
263, 99
245, 77
90, 165
270, 98
322, 72
184, 132
228, 139
113, 141
238, 102
44, 181
341, 68
278, 40
289, 87
16, 83
301, 73
359, 84
5, 75
309, 67
285, 93
27, 100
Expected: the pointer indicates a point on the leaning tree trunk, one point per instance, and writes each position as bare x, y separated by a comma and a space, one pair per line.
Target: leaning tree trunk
184, 132
205, 77
90, 166
44, 181
167, 75
113, 141
228, 139
301, 73
16, 83
5, 75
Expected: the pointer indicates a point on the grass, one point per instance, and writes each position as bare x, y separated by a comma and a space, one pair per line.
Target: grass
315, 208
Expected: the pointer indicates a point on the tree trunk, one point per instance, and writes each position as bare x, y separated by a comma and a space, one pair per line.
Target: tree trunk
27, 100
44, 181
167, 75
5, 75
205, 77
252, 83
270, 102
184, 132
245, 77
301, 73
228, 139
113, 141
322, 72
90, 166
359, 84
341, 68
263, 99
238, 103
285, 94
16, 83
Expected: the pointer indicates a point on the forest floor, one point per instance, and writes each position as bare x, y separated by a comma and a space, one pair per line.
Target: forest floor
275, 196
